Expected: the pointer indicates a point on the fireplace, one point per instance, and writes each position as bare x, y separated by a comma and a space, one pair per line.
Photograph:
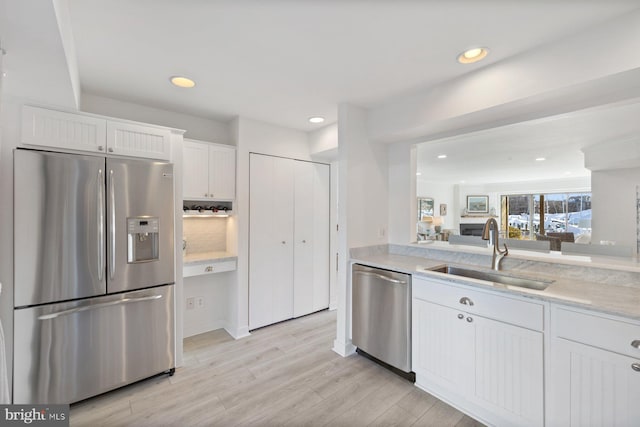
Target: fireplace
471, 229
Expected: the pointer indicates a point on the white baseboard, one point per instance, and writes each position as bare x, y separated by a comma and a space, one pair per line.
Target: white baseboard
238, 333
344, 349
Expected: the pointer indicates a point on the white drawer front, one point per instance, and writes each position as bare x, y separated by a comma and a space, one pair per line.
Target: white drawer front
214, 267
488, 304
608, 334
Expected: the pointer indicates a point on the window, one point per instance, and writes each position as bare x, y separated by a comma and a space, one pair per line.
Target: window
561, 213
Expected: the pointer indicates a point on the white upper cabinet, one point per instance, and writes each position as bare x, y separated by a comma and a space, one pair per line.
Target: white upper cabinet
74, 131
135, 140
64, 130
222, 171
195, 164
209, 171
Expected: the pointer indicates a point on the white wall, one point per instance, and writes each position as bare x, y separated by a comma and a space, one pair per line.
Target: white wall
363, 213
441, 193
257, 137
402, 203
323, 142
196, 127
614, 211
214, 289
10, 119
550, 79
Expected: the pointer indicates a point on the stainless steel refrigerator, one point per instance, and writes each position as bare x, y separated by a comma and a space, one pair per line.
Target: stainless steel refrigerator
94, 274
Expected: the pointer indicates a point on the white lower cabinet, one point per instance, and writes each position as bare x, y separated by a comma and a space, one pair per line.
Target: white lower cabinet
594, 370
491, 368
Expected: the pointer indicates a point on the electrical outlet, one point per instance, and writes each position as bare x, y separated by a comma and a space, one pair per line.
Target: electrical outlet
191, 302
199, 302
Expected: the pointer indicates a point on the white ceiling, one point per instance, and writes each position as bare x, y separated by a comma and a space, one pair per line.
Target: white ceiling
508, 153
282, 61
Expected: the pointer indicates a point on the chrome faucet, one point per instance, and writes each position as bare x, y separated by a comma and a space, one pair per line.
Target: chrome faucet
490, 232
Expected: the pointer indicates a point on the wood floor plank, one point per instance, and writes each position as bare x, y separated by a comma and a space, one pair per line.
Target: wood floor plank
394, 416
281, 375
440, 415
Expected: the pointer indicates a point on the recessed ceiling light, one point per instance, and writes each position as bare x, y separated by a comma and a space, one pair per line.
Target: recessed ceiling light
473, 55
442, 156
418, 173
182, 81
317, 119
540, 159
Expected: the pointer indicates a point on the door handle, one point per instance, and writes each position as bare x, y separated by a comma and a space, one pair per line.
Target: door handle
95, 306
380, 276
466, 301
100, 219
112, 227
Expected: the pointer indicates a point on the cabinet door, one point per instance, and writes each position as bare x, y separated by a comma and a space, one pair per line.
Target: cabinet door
222, 172
195, 166
592, 387
64, 130
129, 139
270, 240
442, 346
508, 376
311, 234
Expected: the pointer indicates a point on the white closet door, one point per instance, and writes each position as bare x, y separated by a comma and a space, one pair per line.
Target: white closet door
270, 240
311, 234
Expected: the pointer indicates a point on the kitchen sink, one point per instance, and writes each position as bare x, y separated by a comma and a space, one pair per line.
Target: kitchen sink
521, 282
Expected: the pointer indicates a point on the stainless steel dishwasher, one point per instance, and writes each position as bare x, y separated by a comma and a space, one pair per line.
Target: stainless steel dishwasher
381, 316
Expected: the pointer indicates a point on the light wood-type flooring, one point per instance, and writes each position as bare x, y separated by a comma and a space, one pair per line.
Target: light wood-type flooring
282, 375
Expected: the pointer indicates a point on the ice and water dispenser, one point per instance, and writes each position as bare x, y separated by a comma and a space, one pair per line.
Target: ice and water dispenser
142, 239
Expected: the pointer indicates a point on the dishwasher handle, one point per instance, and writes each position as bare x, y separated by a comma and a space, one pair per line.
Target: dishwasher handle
382, 277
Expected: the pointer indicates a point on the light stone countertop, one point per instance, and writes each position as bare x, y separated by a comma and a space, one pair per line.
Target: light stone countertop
208, 258
584, 288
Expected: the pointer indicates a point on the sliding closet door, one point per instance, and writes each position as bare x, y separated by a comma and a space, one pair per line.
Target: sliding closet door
271, 244
311, 234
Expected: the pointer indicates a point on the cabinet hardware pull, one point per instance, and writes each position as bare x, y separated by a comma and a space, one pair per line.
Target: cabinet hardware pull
100, 148
635, 344
208, 269
466, 301
110, 150
284, 242
460, 316
304, 241
469, 319
635, 367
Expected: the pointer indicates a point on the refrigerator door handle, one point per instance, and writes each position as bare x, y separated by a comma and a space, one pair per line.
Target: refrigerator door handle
95, 306
101, 243
112, 227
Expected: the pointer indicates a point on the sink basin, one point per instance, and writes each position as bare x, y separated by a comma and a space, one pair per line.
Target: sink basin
521, 282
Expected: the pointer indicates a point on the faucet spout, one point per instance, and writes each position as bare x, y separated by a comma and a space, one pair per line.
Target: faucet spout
490, 232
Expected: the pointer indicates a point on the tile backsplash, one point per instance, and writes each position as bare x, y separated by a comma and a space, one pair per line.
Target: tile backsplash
205, 234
